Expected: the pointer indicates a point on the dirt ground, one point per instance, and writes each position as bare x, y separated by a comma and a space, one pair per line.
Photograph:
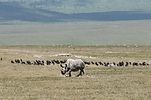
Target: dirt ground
33, 82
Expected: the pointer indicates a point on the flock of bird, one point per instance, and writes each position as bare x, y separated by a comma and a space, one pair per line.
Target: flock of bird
118, 64
55, 62
58, 62
37, 62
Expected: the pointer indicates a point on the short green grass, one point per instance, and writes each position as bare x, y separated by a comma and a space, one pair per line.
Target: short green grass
24, 82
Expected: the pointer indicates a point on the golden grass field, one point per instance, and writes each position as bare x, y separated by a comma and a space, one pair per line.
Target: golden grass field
30, 82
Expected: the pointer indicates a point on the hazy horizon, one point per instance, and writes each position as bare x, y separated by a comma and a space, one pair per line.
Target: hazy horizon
75, 22
83, 33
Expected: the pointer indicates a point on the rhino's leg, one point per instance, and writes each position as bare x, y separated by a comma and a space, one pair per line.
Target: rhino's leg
69, 73
80, 73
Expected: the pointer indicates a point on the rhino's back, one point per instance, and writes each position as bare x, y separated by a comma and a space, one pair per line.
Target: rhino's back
75, 63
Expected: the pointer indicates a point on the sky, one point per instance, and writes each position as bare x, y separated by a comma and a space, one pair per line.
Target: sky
84, 6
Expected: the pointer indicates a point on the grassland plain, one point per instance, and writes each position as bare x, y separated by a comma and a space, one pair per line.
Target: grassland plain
30, 82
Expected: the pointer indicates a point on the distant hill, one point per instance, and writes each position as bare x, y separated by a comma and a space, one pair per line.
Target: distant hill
114, 15
14, 11
86, 6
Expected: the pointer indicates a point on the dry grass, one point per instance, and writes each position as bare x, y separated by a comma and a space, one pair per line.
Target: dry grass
24, 82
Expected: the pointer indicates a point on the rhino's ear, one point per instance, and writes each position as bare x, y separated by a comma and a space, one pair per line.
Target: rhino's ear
61, 66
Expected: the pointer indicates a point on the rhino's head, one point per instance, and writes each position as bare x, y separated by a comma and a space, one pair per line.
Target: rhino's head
64, 69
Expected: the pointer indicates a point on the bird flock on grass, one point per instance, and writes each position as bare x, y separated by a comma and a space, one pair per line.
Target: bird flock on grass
89, 63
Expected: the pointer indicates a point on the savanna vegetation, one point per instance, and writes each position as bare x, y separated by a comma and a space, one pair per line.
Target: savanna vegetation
30, 82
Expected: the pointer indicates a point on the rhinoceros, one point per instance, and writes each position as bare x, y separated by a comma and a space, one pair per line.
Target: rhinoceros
73, 65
